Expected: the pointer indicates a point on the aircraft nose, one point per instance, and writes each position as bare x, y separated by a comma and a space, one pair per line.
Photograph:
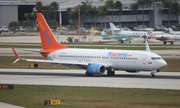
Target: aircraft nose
163, 63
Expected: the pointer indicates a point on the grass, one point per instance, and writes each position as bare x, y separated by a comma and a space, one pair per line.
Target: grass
6, 62
32, 96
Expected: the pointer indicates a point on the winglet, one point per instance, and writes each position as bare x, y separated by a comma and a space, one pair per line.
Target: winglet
147, 46
16, 55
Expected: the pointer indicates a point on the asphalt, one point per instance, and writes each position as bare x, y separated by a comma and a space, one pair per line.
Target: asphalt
122, 79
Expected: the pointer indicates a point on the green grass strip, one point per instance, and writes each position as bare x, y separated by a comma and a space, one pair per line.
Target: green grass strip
32, 96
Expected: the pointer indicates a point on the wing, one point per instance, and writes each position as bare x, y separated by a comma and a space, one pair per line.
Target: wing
57, 61
32, 50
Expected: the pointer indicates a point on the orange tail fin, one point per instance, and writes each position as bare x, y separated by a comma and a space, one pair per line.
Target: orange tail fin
47, 37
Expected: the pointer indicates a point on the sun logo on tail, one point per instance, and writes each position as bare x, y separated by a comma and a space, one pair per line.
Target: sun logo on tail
45, 33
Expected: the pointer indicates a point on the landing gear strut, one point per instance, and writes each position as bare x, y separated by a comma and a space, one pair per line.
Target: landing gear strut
153, 72
152, 75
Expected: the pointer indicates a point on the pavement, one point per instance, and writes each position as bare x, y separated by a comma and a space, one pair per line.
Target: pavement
6, 105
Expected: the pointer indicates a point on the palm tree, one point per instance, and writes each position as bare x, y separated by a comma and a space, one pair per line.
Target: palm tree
39, 6
54, 7
91, 14
85, 7
74, 13
69, 11
26, 15
168, 4
149, 3
175, 9
102, 11
32, 15
142, 3
118, 5
95, 14
110, 4
134, 7
47, 11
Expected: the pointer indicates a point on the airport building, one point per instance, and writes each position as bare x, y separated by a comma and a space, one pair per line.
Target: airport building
13, 10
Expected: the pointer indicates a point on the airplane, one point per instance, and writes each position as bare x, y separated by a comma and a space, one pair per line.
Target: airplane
115, 37
171, 31
142, 34
94, 61
165, 37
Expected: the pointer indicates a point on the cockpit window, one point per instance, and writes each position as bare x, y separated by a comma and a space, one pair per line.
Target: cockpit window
155, 58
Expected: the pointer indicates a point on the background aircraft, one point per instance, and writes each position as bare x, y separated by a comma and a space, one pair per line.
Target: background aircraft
171, 31
142, 34
94, 61
165, 37
115, 37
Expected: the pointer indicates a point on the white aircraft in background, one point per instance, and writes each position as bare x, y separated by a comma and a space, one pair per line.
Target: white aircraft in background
171, 31
94, 61
142, 34
165, 37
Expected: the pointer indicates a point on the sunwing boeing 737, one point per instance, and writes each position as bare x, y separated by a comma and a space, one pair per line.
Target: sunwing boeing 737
94, 61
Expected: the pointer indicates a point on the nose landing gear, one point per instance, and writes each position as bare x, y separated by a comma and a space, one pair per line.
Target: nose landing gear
153, 73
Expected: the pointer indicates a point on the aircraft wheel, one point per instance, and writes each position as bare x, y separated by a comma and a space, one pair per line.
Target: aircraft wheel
171, 43
129, 41
164, 43
110, 73
152, 75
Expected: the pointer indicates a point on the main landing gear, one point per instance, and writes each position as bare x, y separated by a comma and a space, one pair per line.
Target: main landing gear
110, 72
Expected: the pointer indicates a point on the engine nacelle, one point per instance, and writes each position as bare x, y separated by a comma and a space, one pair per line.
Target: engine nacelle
96, 69
132, 71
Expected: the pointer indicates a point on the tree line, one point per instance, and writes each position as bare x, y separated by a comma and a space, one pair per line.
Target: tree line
87, 10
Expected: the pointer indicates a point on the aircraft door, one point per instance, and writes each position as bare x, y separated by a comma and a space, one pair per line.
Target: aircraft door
144, 60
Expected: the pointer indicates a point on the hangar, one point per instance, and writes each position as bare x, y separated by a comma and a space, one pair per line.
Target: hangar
13, 10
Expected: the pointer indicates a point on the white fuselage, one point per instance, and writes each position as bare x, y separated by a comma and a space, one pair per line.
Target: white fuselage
166, 37
117, 59
134, 33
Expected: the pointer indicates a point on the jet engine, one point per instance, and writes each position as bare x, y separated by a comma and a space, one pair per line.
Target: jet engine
96, 69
